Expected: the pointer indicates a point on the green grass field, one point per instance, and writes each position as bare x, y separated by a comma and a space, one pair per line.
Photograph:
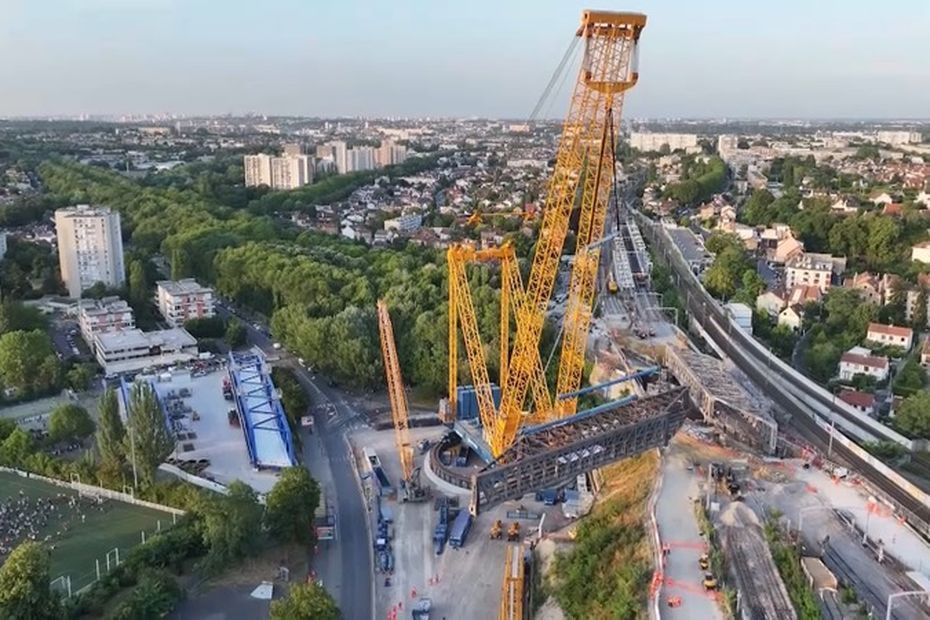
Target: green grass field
113, 524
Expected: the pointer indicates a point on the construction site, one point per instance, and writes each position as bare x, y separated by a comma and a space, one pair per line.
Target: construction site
459, 501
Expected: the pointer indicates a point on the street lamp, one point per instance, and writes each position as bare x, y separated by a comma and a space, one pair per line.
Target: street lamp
900, 595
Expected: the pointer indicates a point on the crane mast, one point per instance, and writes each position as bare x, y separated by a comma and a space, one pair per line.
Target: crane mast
582, 179
412, 489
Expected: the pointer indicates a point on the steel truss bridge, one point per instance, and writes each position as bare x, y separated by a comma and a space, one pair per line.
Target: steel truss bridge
553, 454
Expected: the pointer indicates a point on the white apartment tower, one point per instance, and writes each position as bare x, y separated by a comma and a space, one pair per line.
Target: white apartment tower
257, 170
90, 248
340, 156
287, 172
390, 153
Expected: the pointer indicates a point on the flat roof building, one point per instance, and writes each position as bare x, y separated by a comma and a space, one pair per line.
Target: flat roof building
90, 248
132, 350
182, 300
101, 316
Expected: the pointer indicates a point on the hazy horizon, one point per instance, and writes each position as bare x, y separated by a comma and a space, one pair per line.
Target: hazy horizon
825, 61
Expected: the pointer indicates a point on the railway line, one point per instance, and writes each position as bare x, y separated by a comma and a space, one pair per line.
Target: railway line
706, 313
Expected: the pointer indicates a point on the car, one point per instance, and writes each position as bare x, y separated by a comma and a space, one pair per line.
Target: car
276, 346
302, 362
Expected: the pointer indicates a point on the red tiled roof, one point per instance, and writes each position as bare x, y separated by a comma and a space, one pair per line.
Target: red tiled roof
891, 330
893, 208
857, 399
870, 361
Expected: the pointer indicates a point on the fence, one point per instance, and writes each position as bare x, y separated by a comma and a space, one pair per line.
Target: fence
90, 489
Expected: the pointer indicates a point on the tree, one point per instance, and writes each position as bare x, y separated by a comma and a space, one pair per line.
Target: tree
290, 505
920, 309
910, 379
138, 285
305, 601
7, 426
207, 327
914, 415
27, 362
148, 438
70, 422
232, 524
111, 433
15, 316
154, 597
24, 585
16, 448
79, 377
235, 334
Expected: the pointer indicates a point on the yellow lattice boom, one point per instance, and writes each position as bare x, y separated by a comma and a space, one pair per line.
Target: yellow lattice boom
582, 177
396, 392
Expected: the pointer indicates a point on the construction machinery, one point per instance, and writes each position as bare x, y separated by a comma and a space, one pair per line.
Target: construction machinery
710, 582
513, 532
582, 180
704, 561
411, 487
497, 530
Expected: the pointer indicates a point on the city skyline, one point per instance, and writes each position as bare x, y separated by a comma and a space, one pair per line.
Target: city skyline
413, 59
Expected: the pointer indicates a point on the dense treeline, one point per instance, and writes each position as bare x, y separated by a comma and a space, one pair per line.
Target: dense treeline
701, 179
319, 291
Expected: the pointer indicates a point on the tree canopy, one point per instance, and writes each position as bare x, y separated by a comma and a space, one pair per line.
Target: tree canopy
70, 422
305, 601
149, 439
290, 505
24, 585
913, 416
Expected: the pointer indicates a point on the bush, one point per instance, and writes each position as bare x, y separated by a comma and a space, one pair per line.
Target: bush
155, 596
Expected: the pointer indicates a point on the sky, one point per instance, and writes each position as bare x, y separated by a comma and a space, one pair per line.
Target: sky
442, 58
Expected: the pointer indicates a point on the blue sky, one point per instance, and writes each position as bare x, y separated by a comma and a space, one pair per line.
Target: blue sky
717, 58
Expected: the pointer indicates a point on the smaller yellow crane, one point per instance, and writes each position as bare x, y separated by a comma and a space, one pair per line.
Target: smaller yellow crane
412, 490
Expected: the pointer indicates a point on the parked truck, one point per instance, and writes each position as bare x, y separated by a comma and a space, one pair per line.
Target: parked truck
460, 528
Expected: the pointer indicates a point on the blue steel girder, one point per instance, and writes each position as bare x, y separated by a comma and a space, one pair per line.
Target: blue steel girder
553, 457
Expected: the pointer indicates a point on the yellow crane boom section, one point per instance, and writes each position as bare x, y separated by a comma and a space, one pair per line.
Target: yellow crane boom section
396, 392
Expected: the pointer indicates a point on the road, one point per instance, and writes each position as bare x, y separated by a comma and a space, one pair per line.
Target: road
347, 572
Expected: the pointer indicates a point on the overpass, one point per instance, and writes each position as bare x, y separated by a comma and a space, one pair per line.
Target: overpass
556, 453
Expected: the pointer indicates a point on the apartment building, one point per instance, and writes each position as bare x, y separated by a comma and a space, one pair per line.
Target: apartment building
390, 153
899, 137
90, 248
647, 141
287, 172
101, 316
808, 269
182, 300
405, 223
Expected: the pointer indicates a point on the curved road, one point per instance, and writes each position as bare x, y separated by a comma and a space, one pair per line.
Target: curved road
348, 577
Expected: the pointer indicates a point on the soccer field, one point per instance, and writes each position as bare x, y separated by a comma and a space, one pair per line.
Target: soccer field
85, 532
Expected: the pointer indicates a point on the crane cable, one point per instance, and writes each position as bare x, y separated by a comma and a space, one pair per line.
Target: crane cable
558, 76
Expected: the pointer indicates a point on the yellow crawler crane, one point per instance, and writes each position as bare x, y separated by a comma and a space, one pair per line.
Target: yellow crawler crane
411, 483
582, 179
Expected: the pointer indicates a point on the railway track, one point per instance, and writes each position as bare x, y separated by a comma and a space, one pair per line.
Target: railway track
764, 592
703, 310
845, 573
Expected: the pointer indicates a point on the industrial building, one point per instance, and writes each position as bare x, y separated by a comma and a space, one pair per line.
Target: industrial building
133, 350
90, 248
101, 316
182, 300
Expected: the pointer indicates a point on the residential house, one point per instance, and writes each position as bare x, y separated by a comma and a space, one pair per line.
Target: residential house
809, 269
804, 294
923, 198
860, 361
890, 335
879, 197
893, 209
792, 316
786, 249
861, 401
868, 285
925, 353
772, 302
921, 252
844, 206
